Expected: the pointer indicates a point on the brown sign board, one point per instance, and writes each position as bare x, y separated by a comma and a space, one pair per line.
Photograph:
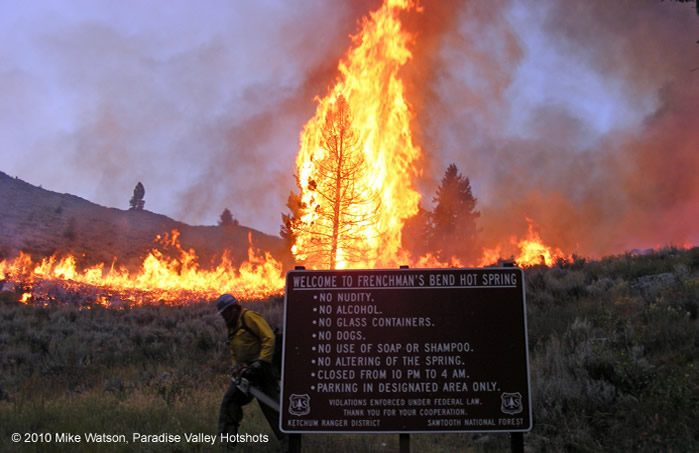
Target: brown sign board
405, 351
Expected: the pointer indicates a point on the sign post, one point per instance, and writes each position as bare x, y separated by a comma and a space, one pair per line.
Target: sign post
405, 351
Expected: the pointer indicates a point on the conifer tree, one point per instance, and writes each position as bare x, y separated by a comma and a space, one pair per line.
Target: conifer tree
137, 202
344, 211
227, 219
452, 230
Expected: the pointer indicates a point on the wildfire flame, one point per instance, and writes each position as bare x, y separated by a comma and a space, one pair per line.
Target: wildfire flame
531, 250
371, 89
369, 82
375, 94
161, 278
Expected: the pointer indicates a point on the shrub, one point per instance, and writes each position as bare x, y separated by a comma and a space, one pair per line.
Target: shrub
613, 360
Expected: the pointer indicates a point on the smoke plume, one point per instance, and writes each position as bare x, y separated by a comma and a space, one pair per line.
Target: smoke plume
581, 117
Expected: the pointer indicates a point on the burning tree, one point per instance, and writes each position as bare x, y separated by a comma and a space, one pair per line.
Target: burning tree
344, 206
137, 202
452, 228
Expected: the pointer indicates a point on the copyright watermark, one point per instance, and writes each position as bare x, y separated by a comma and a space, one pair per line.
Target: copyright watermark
136, 438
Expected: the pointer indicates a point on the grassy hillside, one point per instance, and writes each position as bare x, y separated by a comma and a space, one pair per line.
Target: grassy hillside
42, 222
613, 348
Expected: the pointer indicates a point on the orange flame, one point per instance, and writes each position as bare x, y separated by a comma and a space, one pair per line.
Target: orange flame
381, 117
531, 250
161, 278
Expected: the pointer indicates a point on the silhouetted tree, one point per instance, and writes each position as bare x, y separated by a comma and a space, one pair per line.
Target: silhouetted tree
344, 207
414, 236
137, 202
452, 228
227, 219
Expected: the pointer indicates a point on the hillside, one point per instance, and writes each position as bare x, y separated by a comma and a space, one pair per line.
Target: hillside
613, 353
42, 223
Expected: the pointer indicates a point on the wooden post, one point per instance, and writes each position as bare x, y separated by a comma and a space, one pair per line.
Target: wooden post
294, 443
404, 443
517, 442
295, 439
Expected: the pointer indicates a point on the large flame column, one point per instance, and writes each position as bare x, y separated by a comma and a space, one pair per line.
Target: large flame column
370, 82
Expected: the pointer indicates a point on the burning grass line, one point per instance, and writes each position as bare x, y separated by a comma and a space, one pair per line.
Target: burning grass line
162, 279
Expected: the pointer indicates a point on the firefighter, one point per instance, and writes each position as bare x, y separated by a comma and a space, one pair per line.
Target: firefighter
251, 343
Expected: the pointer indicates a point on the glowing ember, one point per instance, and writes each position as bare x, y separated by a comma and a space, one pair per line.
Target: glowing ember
379, 120
163, 279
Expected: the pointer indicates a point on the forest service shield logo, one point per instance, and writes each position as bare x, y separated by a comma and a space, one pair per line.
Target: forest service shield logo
511, 403
299, 404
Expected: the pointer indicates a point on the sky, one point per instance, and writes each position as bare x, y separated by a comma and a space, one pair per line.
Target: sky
582, 116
